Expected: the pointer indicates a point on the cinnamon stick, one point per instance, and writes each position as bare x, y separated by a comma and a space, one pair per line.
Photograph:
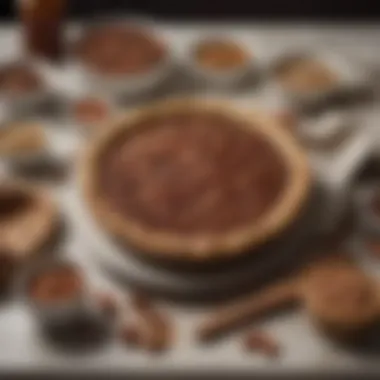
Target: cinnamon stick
228, 317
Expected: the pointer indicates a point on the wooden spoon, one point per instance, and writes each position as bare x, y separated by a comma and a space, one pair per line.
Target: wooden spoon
335, 293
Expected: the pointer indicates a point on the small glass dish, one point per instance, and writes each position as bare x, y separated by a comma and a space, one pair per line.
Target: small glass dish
221, 62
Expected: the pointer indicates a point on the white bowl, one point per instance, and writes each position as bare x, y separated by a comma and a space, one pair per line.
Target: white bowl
126, 85
221, 79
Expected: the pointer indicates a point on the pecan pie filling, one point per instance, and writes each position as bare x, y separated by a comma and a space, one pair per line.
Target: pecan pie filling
114, 50
191, 173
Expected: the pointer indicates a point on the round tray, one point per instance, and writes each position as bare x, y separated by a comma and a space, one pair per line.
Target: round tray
217, 281
327, 201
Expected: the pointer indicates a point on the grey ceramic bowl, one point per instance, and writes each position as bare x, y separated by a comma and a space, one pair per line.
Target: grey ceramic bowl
349, 77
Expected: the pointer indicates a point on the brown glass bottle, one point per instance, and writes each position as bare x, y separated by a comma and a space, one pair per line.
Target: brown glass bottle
42, 24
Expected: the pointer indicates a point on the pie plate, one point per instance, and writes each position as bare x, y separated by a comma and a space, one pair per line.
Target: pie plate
323, 209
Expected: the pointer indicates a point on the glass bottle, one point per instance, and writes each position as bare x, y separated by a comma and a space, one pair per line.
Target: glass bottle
42, 27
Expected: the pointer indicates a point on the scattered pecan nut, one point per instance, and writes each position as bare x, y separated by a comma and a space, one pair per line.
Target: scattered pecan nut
140, 301
108, 304
261, 342
131, 335
161, 331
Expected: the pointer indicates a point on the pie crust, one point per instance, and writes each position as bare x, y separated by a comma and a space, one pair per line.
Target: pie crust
28, 219
200, 246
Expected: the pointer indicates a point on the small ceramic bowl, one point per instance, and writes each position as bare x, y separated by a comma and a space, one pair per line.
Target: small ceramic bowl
52, 145
221, 69
90, 113
54, 300
28, 101
23, 143
128, 84
328, 131
333, 76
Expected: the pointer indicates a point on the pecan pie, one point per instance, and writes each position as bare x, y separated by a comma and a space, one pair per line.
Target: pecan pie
195, 180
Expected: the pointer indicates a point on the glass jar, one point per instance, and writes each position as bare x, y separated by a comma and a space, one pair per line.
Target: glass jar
42, 27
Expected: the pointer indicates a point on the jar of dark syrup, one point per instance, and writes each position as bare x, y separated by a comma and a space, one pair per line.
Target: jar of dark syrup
42, 27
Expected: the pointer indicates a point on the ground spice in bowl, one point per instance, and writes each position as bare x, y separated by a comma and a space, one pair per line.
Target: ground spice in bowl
305, 74
56, 285
220, 55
